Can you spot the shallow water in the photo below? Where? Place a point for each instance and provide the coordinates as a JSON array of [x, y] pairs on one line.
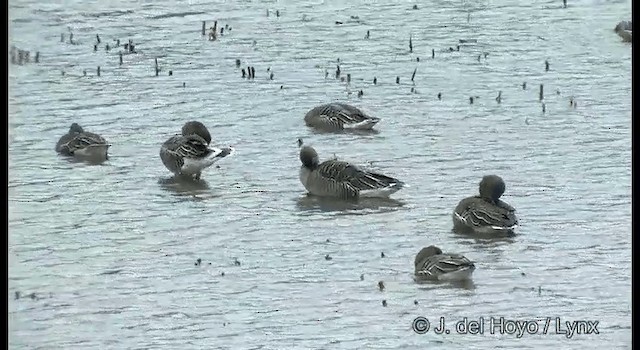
[[110, 250]]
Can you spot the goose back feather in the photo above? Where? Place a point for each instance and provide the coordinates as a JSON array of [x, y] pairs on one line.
[[335, 178], [339, 116], [432, 264]]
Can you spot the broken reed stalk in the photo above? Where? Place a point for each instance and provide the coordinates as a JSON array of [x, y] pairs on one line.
[[157, 70], [204, 28], [410, 44], [541, 94], [414, 74]]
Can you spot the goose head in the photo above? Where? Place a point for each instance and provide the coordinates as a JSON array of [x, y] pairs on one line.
[[196, 128], [75, 129], [492, 187]]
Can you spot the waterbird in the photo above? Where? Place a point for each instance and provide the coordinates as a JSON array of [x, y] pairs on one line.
[[432, 264], [190, 153], [338, 116], [623, 29], [486, 213], [82, 144], [341, 179]]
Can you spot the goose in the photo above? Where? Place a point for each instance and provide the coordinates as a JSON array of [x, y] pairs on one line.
[[189, 153], [432, 264], [339, 116], [82, 144], [335, 178], [623, 29], [486, 213]]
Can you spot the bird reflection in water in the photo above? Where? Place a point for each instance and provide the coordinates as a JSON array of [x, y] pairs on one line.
[[88, 160], [185, 186], [310, 202], [461, 284], [347, 131], [485, 238]]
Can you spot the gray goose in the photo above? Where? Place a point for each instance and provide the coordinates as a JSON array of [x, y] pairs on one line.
[[82, 144], [432, 264], [189, 154], [623, 29], [340, 179], [338, 116], [486, 213]]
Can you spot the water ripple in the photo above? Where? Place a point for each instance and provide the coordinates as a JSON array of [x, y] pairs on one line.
[[110, 252]]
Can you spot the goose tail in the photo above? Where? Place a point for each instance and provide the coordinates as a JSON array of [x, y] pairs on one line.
[[93, 150], [196, 165], [366, 124], [463, 273], [391, 186]]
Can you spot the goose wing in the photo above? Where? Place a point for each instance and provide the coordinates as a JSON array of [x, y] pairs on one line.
[[442, 264], [336, 114], [344, 113], [73, 142], [192, 146], [354, 177], [90, 138], [63, 143], [354, 113], [477, 212]]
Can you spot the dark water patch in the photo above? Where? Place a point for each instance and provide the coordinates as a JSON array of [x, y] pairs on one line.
[[115, 13], [177, 14]]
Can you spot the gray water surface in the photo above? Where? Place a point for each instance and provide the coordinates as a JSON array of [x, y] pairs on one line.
[[110, 250]]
